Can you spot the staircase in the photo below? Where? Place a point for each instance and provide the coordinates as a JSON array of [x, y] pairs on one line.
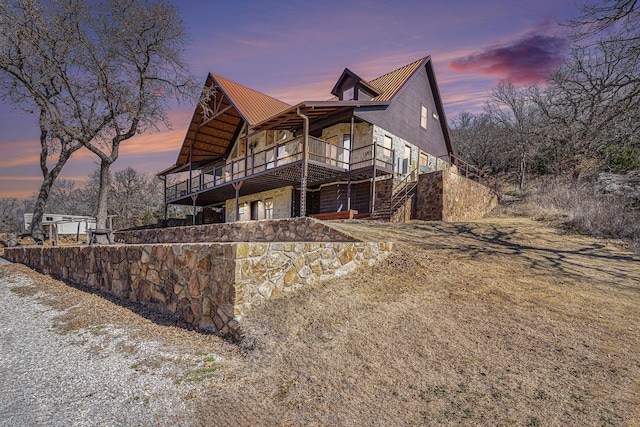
[[404, 191]]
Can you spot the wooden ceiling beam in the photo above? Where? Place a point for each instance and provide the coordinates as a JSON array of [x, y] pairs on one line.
[[221, 112]]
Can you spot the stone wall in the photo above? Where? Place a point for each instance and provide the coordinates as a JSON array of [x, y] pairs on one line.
[[384, 188], [283, 230], [404, 212], [465, 199], [447, 196], [429, 196], [209, 285]]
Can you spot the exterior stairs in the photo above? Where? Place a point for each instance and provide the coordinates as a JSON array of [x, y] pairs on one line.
[[401, 194]]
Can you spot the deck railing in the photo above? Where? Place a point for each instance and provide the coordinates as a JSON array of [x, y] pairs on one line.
[[283, 153], [463, 168]]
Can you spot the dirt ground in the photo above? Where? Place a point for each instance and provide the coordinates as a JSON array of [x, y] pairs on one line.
[[497, 322]]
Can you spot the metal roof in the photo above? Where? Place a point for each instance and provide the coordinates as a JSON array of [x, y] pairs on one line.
[[253, 105], [390, 83], [208, 139], [290, 118], [233, 104]]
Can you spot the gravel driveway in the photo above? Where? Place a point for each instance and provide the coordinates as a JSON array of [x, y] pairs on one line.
[[87, 377]]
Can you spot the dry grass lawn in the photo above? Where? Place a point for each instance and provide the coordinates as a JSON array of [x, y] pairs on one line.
[[497, 322]]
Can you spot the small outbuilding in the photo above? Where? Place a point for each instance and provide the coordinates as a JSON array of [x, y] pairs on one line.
[[59, 224]]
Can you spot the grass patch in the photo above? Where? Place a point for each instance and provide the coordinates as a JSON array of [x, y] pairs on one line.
[[25, 291], [200, 374]]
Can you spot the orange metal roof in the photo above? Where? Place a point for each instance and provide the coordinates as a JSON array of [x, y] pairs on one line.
[[253, 105], [207, 140], [390, 83]]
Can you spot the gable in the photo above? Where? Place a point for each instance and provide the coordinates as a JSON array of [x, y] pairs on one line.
[[231, 108], [410, 88], [350, 86]]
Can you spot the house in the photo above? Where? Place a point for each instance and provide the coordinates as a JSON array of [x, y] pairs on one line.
[[248, 156], [58, 224]]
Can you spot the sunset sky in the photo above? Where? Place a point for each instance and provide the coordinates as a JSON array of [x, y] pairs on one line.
[[295, 50]]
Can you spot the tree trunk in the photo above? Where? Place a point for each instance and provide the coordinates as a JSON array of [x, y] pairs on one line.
[[48, 178], [103, 199], [36, 230], [523, 169]]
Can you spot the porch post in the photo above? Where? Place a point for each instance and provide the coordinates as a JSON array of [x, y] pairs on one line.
[[236, 186], [351, 144], [305, 164], [373, 179], [190, 168], [194, 197], [165, 200], [246, 151]]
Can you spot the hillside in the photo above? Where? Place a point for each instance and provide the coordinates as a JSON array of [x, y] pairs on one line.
[[495, 322]]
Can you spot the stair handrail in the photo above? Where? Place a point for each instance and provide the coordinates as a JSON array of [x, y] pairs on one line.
[[410, 177]]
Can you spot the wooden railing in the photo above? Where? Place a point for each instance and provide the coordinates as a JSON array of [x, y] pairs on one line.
[[463, 168], [283, 153]]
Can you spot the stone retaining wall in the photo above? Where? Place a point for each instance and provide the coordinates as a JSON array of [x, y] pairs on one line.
[[282, 230], [447, 196], [209, 285]]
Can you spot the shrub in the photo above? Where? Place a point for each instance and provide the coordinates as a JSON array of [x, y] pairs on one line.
[[583, 207]]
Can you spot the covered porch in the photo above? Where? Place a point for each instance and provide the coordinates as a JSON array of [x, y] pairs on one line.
[[300, 161]]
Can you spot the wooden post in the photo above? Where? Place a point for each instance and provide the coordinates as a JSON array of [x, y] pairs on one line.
[[351, 144], [373, 179], [190, 168], [236, 186], [305, 164], [165, 201], [246, 151], [194, 197]]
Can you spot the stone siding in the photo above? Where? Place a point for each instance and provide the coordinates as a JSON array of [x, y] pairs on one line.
[[283, 230], [209, 285], [280, 197], [447, 196]]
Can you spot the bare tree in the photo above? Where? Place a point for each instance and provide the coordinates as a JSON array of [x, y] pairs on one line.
[[592, 102], [11, 211], [121, 62], [136, 198], [34, 46], [480, 141], [511, 108]]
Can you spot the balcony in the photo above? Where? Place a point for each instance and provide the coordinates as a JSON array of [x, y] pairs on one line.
[[284, 159]]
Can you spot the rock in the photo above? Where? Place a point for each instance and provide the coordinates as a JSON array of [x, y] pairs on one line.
[[627, 185]]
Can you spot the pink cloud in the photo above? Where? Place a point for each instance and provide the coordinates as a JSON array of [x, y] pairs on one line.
[[526, 60]]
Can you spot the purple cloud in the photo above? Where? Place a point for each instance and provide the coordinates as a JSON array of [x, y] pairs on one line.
[[526, 60]]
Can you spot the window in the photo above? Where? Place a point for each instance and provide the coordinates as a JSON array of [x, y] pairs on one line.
[[387, 143], [424, 162], [347, 95], [436, 116], [239, 149], [423, 117], [268, 208], [407, 160], [343, 156], [241, 212]]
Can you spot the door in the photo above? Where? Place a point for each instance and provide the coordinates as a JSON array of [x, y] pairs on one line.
[[255, 210]]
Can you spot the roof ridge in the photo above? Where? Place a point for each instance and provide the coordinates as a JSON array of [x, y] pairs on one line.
[[253, 105], [399, 68], [218, 76], [391, 83]]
